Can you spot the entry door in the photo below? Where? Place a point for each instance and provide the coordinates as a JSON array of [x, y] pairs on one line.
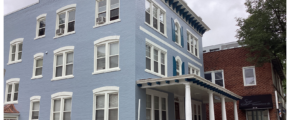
[[196, 110]]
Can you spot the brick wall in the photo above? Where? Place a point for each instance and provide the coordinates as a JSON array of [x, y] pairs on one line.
[[232, 61]]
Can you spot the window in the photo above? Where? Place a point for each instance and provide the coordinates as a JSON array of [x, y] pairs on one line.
[[249, 76], [106, 54], [155, 59], [177, 33], [102, 7], [179, 66], [155, 16], [193, 69], [37, 66], [258, 115], [15, 53], [34, 107], [63, 63], [179, 107], [156, 105], [216, 77], [66, 20], [213, 50], [12, 86], [192, 44], [40, 26], [61, 105], [106, 103]]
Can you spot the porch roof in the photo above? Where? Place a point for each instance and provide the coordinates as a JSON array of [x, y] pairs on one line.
[[193, 79]]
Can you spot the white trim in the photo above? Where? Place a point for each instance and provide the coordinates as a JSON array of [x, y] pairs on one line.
[[156, 93], [253, 73], [164, 34], [15, 42], [160, 95], [66, 7], [189, 38], [39, 37], [18, 40], [106, 71], [61, 94], [167, 44], [191, 33], [38, 19], [62, 49], [38, 55], [13, 80], [276, 100], [16, 61], [35, 98], [156, 45], [110, 22], [154, 73], [41, 16], [178, 59], [105, 39], [65, 34], [194, 67], [158, 5], [62, 77], [179, 32], [32, 100], [106, 88]]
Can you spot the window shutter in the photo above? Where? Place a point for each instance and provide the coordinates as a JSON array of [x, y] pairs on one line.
[[183, 69], [174, 66], [181, 34], [173, 30]]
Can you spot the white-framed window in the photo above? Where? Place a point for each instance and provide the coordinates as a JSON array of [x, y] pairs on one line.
[[155, 16], [192, 44], [109, 9], [12, 86], [216, 77], [61, 106], [106, 103], [193, 69], [40, 26], [156, 105], [65, 20], [37, 66], [106, 55], [177, 33], [179, 107], [34, 107], [63, 63], [249, 76], [156, 59], [257, 115], [15, 53], [178, 66]]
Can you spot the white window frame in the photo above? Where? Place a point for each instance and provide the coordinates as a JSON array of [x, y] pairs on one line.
[[106, 41], [38, 19], [213, 76], [108, 9], [181, 106], [63, 51], [191, 66], [161, 95], [105, 91], [37, 56], [255, 79], [65, 10], [12, 43], [190, 37], [178, 59], [32, 100], [12, 82], [160, 50], [61, 96], [159, 10], [179, 34]]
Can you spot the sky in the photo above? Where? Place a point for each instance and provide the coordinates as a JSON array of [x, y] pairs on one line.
[[219, 15]]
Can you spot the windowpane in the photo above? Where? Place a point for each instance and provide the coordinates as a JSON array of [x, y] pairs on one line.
[[114, 4], [162, 27], [265, 115], [113, 114], [102, 5], [66, 116], [13, 48], [148, 52], [19, 55], [99, 114], [113, 100], [219, 82], [161, 17], [114, 14], [147, 17], [69, 69], [67, 105], [56, 107], [148, 114], [59, 60], [177, 65], [13, 57], [155, 23], [100, 101], [69, 58], [147, 6], [156, 102], [154, 11], [9, 97], [189, 70], [35, 106], [9, 88], [34, 114], [71, 26], [20, 47], [16, 87], [163, 69], [218, 75], [114, 48], [41, 32], [15, 97], [148, 101], [114, 61], [101, 64], [148, 63], [156, 114], [103, 14], [155, 66], [71, 15], [41, 23], [163, 100], [249, 73], [164, 115], [208, 76], [55, 116], [58, 71], [101, 52], [162, 58], [39, 62], [155, 55], [62, 18]]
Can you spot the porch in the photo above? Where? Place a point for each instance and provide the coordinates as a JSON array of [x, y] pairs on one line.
[[190, 91]]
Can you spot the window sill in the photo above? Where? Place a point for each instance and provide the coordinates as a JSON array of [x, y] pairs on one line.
[[249, 85], [73, 32], [111, 22], [36, 77], [62, 77], [13, 62], [154, 73], [12, 102], [178, 44], [106, 71], [193, 54], [157, 30], [38, 37]]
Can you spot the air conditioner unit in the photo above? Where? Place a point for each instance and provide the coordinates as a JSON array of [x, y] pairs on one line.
[[60, 31], [101, 20]]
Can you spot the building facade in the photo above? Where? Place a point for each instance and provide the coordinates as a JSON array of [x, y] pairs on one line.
[[261, 87]]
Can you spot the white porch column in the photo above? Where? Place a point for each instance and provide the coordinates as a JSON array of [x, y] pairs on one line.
[[188, 113], [236, 110], [211, 106], [224, 112]]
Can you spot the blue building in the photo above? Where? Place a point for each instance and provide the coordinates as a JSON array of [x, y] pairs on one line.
[[107, 60]]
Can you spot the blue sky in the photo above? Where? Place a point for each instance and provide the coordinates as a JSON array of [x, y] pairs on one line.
[[219, 15]]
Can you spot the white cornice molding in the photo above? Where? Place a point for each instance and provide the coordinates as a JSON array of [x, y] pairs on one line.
[[63, 49], [61, 94], [41, 16], [66, 7], [116, 37], [38, 55], [35, 98], [13, 80], [18, 40], [106, 88]]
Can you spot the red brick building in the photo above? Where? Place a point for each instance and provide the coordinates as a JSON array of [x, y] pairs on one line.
[[229, 68]]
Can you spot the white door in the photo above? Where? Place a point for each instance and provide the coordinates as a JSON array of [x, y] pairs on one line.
[[196, 110]]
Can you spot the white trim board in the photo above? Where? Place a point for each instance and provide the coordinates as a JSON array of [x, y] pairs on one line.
[[167, 44]]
